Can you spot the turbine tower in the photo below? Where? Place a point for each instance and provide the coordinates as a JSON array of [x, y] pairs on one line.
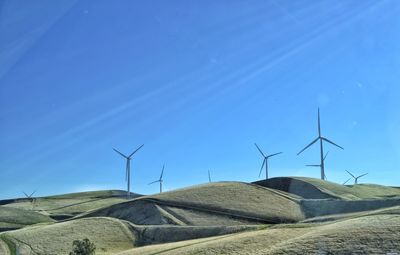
[[265, 161], [319, 165], [160, 180], [321, 139], [355, 177], [128, 168], [209, 176]]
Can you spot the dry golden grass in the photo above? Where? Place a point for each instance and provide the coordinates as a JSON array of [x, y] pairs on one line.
[[352, 192], [70, 204], [13, 218], [341, 216], [109, 235], [155, 234], [377, 234], [208, 214], [138, 211], [202, 218], [224, 201], [94, 194], [311, 188], [241, 243]]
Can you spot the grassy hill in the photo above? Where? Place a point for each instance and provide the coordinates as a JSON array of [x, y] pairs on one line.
[[311, 188], [14, 218], [297, 216], [109, 235], [69, 205], [378, 234], [221, 203], [335, 217]]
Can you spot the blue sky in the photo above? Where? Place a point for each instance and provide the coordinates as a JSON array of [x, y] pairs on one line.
[[197, 82]]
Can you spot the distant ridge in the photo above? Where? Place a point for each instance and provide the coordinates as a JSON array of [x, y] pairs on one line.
[[311, 188]]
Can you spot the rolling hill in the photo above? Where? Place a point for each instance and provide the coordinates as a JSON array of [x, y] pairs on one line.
[[285, 215], [15, 218], [378, 234], [109, 235], [222, 203], [68, 205]]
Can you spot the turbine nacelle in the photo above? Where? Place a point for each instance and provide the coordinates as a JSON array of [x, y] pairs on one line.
[[355, 177], [265, 161], [159, 180], [128, 167], [30, 198], [319, 165]]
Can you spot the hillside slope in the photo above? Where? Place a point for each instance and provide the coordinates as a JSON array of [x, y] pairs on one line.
[[14, 218], [68, 205], [220, 203], [109, 235], [378, 234]]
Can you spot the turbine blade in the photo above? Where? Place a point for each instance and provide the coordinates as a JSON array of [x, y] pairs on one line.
[[326, 155], [153, 182], [136, 150], [32, 193], [25, 194], [308, 145], [162, 172], [262, 166], [362, 175], [314, 165], [350, 174], [329, 141], [274, 154], [209, 176], [262, 153], [346, 181], [120, 153]]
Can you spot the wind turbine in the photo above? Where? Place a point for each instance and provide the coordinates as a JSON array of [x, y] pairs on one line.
[[356, 177], [319, 165], [321, 139], [160, 180], [265, 161], [209, 176], [32, 200], [128, 168]]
